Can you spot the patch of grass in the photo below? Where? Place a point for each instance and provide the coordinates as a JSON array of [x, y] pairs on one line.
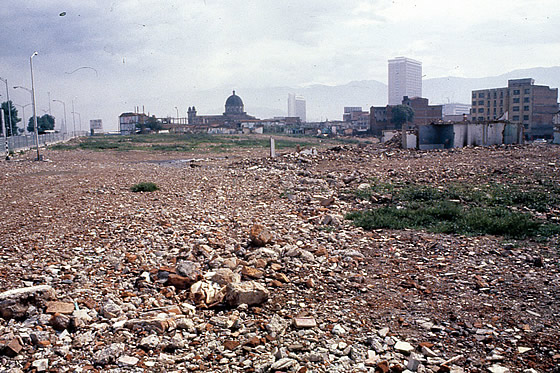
[[178, 143], [471, 210], [144, 187]]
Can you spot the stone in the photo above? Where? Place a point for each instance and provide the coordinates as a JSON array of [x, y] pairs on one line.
[[304, 322], [14, 303], [231, 345], [41, 365], [498, 369], [277, 325], [110, 309], [284, 364], [108, 354], [413, 364], [59, 321], [252, 272], [207, 293], [338, 330], [190, 270], [522, 350], [224, 276], [178, 281], [60, 307], [248, 292], [13, 348], [404, 347], [259, 235], [127, 360], [149, 343]]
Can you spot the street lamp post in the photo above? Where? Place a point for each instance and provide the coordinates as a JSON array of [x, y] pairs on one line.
[[34, 105], [79, 119], [65, 123], [73, 118], [9, 107], [177, 114], [23, 113]]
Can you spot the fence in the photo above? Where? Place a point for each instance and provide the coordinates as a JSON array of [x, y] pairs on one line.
[[16, 143]]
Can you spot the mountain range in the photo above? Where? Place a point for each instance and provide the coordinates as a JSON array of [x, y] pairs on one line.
[[328, 102]]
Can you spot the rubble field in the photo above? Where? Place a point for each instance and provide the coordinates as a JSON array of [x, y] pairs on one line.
[[243, 263]]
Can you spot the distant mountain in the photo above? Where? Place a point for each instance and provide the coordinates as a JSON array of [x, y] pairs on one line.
[[328, 102]]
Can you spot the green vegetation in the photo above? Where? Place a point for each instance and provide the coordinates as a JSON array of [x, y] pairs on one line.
[[496, 209], [144, 187], [180, 143]]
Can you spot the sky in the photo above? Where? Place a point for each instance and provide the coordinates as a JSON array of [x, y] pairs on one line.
[[107, 57]]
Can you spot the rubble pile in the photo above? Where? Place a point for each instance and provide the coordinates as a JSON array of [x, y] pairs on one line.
[[247, 264]]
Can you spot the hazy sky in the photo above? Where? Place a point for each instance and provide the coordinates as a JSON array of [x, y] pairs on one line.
[[156, 53]]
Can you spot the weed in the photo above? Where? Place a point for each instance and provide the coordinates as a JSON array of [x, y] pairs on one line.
[[144, 187]]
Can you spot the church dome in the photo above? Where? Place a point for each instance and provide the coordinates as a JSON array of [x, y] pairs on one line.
[[234, 100], [234, 104]]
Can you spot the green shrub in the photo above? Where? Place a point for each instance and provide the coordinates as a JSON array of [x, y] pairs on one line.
[[144, 187]]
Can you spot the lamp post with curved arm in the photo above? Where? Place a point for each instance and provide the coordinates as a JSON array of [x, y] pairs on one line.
[[34, 105], [64, 106], [9, 107]]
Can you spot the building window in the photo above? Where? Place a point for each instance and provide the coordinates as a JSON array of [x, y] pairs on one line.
[[481, 110], [516, 100], [516, 108], [481, 95], [494, 102], [474, 102], [495, 94], [526, 108], [516, 117], [525, 99], [516, 91], [527, 91], [525, 117], [481, 102], [474, 95], [481, 118], [501, 102], [494, 110], [501, 94]]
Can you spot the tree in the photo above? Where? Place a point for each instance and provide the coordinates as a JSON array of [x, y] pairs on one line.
[[13, 129], [44, 123], [402, 114], [150, 124]]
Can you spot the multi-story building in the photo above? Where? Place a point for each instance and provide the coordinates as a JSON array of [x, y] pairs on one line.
[[381, 118], [129, 123], [520, 102], [296, 107], [405, 79]]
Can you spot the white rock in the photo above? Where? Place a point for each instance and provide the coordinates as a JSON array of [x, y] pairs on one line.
[[404, 347]]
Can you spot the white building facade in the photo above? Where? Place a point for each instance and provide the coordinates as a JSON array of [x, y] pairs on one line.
[[296, 106], [405, 79]]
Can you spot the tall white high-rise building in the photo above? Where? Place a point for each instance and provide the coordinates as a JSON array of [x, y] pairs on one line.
[[405, 79], [296, 106]]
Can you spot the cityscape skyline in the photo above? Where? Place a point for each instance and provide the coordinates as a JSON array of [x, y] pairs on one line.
[[110, 57]]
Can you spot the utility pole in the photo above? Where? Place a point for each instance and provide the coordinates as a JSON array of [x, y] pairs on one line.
[[34, 105], [9, 105]]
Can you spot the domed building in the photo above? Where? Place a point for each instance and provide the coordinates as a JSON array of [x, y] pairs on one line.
[[234, 105], [233, 116]]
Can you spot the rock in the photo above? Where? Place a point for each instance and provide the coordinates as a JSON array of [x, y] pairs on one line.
[[108, 354], [149, 343], [207, 294], [338, 330], [190, 270], [110, 309], [248, 292], [413, 364], [252, 272], [404, 347], [284, 364], [127, 360], [14, 303], [13, 348], [60, 307], [41, 365], [59, 321], [277, 325], [498, 369], [304, 322], [259, 235], [224, 276], [231, 345], [80, 318]]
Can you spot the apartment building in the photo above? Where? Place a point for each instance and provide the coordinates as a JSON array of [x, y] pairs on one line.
[[520, 102]]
